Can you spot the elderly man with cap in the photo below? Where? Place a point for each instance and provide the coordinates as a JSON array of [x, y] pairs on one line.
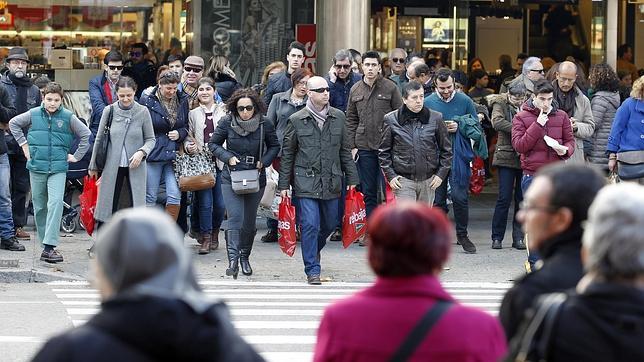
[[192, 71], [24, 95]]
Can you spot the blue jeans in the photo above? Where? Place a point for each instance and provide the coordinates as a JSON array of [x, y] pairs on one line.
[[6, 217], [156, 171], [210, 207], [459, 195], [509, 183], [317, 221], [526, 181], [370, 176]]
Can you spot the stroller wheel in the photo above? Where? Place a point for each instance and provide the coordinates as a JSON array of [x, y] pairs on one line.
[[68, 224]]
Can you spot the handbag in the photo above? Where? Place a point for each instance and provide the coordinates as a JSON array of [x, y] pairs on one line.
[[417, 335], [194, 172], [247, 181], [101, 147], [630, 165]]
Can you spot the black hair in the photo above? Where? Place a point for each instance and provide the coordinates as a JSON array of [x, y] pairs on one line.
[[113, 56], [543, 86], [169, 78], [505, 62], [296, 45], [144, 48], [409, 87], [42, 81], [421, 69], [478, 74], [231, 103], [586, 181], [523, 56], [432, 62], [125, 82], [174, 58], [355, 54], [410, 56], [603, 78], [373, 55], [206, 80], [623, 49], [443, 75], [517, 89]]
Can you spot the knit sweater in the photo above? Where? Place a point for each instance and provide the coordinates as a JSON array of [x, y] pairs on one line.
[[460, 105]]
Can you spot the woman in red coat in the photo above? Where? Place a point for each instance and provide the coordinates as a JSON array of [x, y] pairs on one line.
[[409, 244]]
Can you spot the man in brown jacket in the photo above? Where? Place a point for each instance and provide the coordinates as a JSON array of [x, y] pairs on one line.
[[369, 101]]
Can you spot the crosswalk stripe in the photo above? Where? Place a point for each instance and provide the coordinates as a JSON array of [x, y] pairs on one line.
[[276, 317]]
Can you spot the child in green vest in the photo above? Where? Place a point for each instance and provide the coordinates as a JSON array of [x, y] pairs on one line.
[[51, 129]]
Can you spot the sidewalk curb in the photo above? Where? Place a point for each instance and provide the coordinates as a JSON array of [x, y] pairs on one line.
[[35, 276]]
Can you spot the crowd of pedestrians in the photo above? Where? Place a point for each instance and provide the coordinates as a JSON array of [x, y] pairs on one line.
[[551, 140]]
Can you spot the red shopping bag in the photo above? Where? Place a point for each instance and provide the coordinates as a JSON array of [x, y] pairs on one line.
[[88, 203], [286, 227], [390, 198], [354, 220], [477, 181]]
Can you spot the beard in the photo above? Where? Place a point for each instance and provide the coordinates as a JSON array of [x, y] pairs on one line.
[[18, 73]]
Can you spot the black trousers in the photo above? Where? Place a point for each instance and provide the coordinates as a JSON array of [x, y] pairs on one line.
[[19, 186], [120, 202]]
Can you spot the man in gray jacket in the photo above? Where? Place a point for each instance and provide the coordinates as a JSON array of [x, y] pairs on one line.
[[416, 150], [315, 153]]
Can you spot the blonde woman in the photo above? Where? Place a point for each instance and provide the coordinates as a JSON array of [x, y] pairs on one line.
[[270, 70]]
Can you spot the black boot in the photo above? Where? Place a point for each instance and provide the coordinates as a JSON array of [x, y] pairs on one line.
[[247, 238], [232, 248]]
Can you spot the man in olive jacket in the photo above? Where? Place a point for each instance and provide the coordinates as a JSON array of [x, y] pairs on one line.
[[315, 153]]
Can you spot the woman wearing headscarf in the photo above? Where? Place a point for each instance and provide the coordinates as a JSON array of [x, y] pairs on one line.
[[152, 306], [409, 244]]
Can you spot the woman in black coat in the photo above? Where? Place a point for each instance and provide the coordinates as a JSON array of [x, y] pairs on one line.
[[251, 143], [224, 77], [152, 306]]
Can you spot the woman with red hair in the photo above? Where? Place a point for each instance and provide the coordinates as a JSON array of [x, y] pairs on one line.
[[409, 244]]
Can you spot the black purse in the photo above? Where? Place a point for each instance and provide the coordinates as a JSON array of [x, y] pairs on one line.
[[101, 147], [630, 165]]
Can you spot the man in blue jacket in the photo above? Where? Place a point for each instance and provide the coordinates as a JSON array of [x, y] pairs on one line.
[[453, 104], [281, 82], [341, 79], [102, 88]]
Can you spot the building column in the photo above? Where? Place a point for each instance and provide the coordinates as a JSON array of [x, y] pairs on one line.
[[340, 24], [612, 22]]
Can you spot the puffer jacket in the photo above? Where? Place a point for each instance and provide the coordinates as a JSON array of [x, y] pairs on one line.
[[604, 105], [164, 148], [502, 113], [527, 137], [415, 147]]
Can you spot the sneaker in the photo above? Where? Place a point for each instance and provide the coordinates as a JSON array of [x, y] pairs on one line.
[[337, 235], [313, 279], [11, 244], [195, 235], [270, 236], [467, 244], [22, 234], [519, 244], [51, 256], [496, 244]]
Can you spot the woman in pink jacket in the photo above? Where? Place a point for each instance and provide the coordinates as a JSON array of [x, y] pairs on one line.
[[409, 244]]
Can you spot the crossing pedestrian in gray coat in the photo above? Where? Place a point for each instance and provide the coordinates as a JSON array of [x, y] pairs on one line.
[[604, 104], [131, 140]]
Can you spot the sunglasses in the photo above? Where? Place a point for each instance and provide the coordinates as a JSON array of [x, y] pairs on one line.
[[115, 67], [136, 54], [193, 70], [342, 66], [538, 71], [320, 90], [245, 108], [398, 60]]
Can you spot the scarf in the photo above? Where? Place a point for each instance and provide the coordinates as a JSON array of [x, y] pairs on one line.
[[171, 107], [22, 86], [191, 91], [319, 116], [244, 128], [565, 101]]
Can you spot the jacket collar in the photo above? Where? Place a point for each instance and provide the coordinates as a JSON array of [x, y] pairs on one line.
[[569, 239], [405, 115], [420, 285]]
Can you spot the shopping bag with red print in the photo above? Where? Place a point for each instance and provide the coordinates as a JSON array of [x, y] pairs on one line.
[[88, 203], [477, 180], [354, 220], [286, 227]]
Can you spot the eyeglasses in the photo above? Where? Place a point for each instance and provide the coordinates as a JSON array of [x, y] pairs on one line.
[[136, 54], [398, 60], [342, 66], [538, 71], [302, 83], [191, 69], [527, 207], [115, 67], [245, 108], [320, 90]]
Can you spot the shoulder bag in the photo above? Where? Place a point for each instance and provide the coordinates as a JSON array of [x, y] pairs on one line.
[[194, 172], [420, 331], [247, 181], [101, 147], [630, 165]]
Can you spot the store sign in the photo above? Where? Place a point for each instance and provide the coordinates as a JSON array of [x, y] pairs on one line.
[[306, 34], [97, 17]]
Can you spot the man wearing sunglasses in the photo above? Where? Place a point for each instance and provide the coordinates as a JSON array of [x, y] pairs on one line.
[[531, 72], [316, 153], [139, 68], [397, 61], [341, 79], [192, 72], [102, 91], [409, 73]]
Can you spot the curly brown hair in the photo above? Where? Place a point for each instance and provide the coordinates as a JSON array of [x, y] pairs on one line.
[[603, 78], [231, 103]]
